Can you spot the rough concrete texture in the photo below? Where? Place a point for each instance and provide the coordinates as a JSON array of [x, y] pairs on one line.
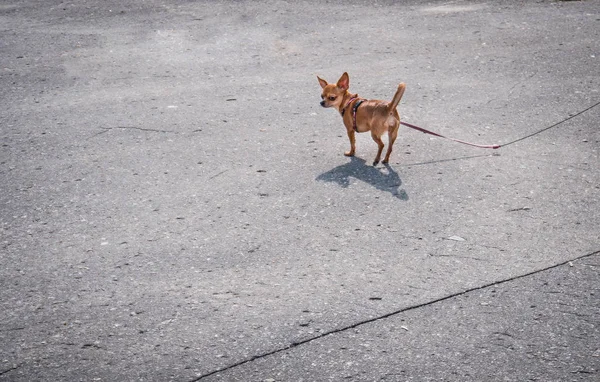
[[175, 204]]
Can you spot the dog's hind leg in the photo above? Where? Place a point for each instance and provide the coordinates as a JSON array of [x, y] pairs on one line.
[[392, 135], [380, 145]]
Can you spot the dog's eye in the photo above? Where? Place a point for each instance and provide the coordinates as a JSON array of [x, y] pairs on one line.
[[332, 98], [322, 96]]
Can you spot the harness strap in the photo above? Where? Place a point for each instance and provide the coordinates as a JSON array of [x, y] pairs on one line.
[[348, 103], [356, 105]]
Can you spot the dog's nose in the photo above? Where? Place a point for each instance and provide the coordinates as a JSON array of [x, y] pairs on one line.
[[323, 103]]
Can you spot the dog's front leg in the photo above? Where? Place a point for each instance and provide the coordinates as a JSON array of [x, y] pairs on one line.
[[352, 143]]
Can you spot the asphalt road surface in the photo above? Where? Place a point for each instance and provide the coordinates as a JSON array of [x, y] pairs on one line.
[[176, 206]]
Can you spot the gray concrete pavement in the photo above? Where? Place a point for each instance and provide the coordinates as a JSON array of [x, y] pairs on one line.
[[175, 204], [541, 327]]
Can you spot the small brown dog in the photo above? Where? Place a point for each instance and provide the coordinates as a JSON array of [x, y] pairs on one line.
[[373, 115]]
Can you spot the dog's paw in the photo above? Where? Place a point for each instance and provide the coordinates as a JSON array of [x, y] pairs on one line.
[[375, 163], [349, 153]]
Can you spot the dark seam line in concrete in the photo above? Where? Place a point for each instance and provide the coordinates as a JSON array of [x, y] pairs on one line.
[[222, 172], [388, 315], [9, 370], [143, 129], [549, 127], [107, 129]]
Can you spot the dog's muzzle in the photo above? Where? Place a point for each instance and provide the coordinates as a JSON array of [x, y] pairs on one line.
[[323, 103]]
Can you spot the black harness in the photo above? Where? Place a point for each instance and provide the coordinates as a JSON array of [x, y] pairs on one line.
[[356, 105], [354, 108]]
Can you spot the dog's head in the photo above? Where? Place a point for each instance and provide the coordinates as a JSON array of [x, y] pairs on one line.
[[333, 94]]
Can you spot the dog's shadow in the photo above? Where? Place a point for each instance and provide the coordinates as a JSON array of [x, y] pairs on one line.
[[382, 179]]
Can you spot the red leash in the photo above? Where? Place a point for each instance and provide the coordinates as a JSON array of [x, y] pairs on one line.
[[452, 139], [506, 144]]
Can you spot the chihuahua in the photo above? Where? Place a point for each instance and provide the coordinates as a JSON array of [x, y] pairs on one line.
[[375, 116]]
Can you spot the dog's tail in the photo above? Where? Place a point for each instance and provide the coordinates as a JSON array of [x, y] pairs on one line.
[[397, 97]]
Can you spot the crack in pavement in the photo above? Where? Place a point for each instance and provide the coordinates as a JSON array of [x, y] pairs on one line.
[[141, 129], [2, 372], [391, 314], [107, 129]]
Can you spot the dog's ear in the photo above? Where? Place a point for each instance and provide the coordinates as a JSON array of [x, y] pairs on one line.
[[322, 82], [344, 82]]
